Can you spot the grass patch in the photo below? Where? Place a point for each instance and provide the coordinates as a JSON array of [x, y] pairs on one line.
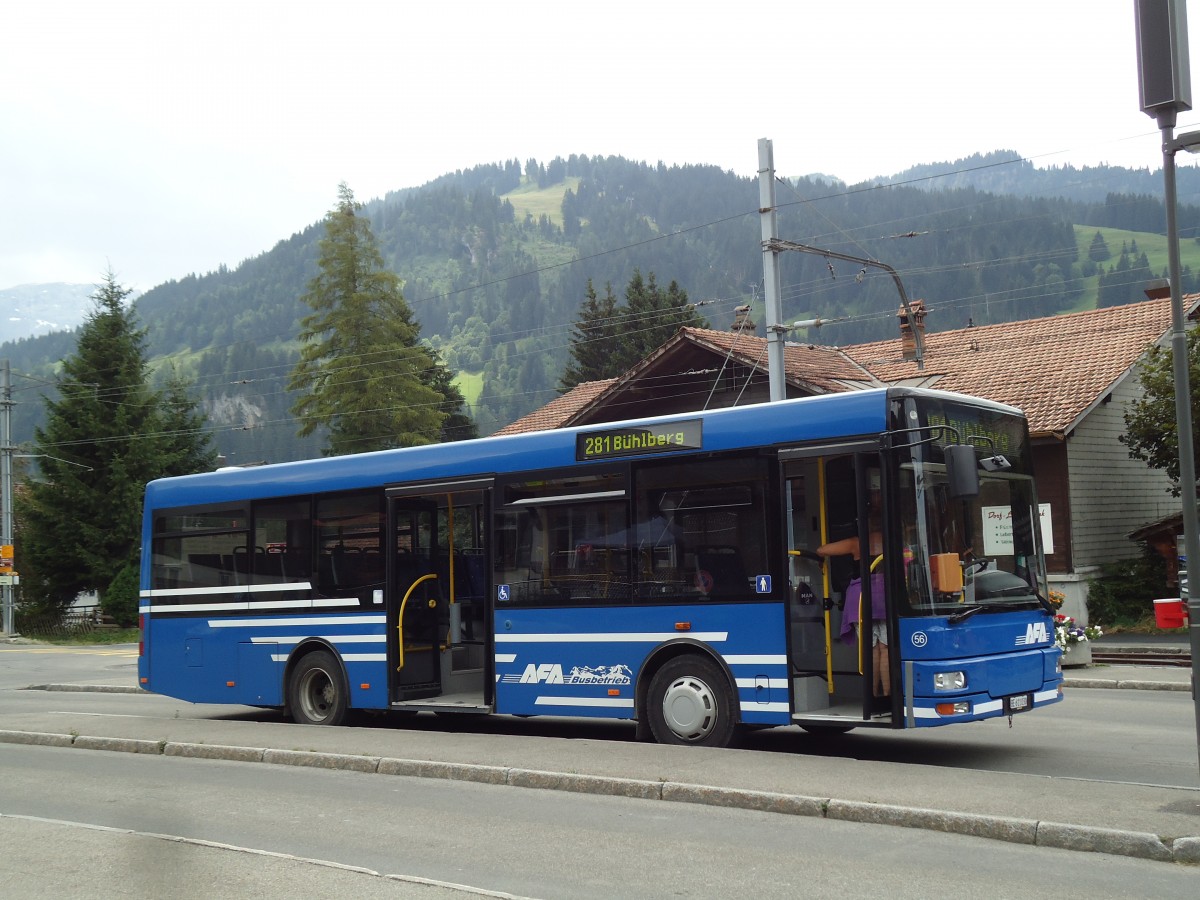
[[538, 202], [99, 636], [1153, 245], [1145, 625], [471, 385]]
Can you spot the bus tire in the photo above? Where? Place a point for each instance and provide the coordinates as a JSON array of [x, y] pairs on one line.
[[689, 703], [317, 693]]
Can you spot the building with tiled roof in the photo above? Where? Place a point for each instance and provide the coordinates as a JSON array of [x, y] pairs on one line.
[[1072, 374]]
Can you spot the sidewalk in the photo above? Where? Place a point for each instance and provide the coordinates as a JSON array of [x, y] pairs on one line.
[[1131, 673]]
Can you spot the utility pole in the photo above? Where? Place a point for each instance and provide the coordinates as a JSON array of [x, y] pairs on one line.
[[771, 287], [772, 246], [6, 495]]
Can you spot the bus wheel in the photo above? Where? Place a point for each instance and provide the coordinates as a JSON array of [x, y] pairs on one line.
[[689, 703], [317, 692]]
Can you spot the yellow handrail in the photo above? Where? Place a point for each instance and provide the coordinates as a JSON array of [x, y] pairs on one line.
[[400, 618], [825, 585]]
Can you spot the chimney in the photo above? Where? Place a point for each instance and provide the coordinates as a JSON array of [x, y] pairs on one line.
[[908, 341], [741, 319]]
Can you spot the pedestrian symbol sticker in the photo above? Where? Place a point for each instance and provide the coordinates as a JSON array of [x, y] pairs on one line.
[[762, 584]]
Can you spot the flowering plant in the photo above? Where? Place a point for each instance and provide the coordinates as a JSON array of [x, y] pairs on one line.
[[1057, 598], [1066, 632]]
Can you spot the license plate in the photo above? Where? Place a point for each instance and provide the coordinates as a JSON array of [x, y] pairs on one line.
[[1018, 702]]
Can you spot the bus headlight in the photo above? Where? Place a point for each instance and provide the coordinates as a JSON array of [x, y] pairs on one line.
[[949, 681]]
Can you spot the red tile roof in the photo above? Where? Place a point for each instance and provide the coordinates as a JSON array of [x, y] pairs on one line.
[[1053, 368], [556, 413]]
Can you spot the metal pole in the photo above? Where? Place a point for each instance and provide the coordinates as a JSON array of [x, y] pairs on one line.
[[779, 244], [771, 289], [6, 486], [1183, 408]]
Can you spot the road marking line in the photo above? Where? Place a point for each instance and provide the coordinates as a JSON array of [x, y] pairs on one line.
[[271, 854]]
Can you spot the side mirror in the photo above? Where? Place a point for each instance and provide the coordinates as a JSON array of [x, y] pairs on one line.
[[962, 470]]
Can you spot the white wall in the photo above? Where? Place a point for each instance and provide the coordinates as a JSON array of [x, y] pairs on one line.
[[1111, 494]]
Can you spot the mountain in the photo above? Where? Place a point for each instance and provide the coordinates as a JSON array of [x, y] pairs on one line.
[[32, 310], [496, 261], [1005, 172]]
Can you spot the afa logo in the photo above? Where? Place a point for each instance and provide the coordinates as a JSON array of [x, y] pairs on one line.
[[1035, 633], [552, 673], [546, 673]]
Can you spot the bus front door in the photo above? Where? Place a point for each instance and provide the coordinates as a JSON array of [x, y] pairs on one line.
[[831, 652]]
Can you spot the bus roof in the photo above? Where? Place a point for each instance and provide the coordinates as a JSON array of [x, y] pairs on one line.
[[824, 417]]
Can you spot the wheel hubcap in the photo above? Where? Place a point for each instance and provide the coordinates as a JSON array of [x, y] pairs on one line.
[[689, 708]]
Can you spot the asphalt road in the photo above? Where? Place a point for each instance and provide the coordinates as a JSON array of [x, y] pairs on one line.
[[200, 828]]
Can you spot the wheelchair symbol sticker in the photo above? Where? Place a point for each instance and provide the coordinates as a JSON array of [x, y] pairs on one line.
[[502, 593]]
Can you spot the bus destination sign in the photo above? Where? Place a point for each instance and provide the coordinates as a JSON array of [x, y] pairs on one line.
[[670, 437]]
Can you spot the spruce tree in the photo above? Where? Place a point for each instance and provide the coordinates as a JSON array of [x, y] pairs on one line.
[[106, 434], [184, 443], [363, 376], [651, 317], [595, 339]]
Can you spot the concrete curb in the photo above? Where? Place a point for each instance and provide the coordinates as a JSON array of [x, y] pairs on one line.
[[1061, 836], [88, 688], [1131, 684]]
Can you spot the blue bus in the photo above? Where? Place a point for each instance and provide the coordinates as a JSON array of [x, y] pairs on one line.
[[865, 559]]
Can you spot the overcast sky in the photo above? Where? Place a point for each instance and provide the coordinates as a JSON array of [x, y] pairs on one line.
[[172, 136]]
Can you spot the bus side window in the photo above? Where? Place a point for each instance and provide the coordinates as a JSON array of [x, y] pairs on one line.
[[349, 535], [564, 541], [701, 529]]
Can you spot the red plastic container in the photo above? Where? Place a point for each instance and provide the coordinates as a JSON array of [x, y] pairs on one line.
[[1170, 613]]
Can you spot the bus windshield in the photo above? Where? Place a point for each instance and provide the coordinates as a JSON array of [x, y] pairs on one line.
[[976, 553]]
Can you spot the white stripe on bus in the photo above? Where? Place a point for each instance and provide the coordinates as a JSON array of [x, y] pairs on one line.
[[292, 622], [332, 638], [250, 605], [614, 638], [756, 660], [228, 589], [615, 702], [348, 657]]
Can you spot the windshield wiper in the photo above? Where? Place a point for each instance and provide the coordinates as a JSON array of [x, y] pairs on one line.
[[963, 615]]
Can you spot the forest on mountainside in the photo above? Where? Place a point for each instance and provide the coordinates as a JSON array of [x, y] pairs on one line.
[[496, 260]]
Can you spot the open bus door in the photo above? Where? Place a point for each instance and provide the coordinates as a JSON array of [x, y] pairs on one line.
[[836, 607], [437, 596]]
